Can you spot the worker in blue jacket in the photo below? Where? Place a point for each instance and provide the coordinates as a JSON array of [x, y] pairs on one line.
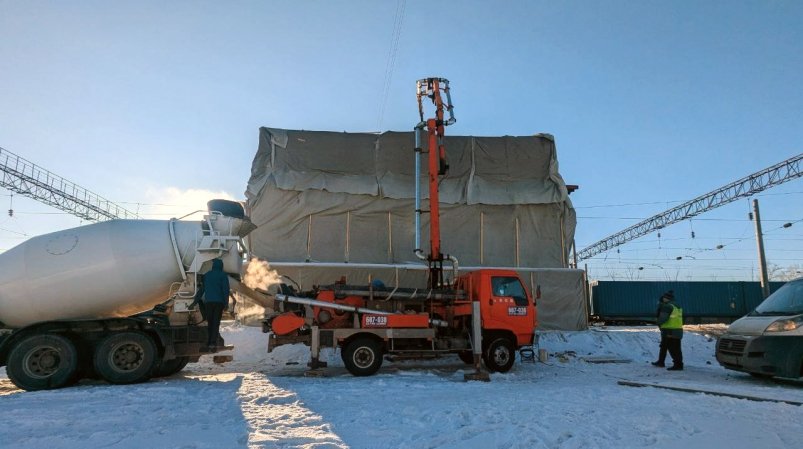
[[670, 321], [216, 299]]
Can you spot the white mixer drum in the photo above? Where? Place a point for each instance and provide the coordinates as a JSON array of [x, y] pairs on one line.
[[110, 269]]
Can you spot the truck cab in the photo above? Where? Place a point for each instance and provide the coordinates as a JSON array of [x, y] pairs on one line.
[[768, 341], [507, 306]]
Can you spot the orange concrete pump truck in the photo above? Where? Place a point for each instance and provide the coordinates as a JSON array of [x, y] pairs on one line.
[[484, 315]]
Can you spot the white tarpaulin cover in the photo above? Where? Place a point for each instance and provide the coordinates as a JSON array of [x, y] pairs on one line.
[[349, 197]]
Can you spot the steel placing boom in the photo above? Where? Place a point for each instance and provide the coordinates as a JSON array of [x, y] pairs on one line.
[[431, 88]]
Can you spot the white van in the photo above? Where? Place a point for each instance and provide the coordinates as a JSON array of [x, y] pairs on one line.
[[768, 341]]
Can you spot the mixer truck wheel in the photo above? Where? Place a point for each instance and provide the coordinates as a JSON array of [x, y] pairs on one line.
[[363, 356], [169, 367], [42, 362], [500, 355], [125, 358], [467, 357]]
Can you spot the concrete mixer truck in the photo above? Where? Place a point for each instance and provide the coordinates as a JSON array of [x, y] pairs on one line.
[[112, 299]]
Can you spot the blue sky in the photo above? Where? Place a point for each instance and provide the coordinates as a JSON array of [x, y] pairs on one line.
[[651, 103]]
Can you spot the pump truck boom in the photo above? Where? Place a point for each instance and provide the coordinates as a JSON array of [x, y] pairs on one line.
[[486, 314]]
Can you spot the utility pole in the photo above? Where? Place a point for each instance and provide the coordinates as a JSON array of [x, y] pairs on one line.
[[762, 260]]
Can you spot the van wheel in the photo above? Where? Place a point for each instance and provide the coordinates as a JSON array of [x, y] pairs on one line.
[[125, 358], [363, 356], [500, 355], [43, 362]]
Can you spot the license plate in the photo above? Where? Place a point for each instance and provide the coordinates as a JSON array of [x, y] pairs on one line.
[[517, 311]]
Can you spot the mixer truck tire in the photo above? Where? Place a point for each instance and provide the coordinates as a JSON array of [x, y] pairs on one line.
[[500, 355], [363, 356], [125, 358], [170, 367], [42, 362], [467, 357]]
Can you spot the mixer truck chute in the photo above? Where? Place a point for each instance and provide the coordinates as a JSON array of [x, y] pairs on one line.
[[112, 299]]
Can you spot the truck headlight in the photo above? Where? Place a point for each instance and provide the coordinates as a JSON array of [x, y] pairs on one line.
[[785, 325]]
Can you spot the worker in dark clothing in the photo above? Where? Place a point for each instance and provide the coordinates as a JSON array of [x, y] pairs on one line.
[[198, 299], [670, 320], [216, 299]]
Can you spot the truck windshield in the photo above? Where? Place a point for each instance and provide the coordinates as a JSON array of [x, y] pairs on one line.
[[787, 300], [509, 286]]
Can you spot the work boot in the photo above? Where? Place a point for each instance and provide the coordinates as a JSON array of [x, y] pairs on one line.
[[676, 367], [659, 364]]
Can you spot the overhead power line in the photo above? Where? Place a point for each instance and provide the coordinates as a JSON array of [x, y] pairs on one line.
[[769, 177], [28, 179], [390, 66]]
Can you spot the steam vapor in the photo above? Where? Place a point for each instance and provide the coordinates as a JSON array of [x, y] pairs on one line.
[[258, 276]]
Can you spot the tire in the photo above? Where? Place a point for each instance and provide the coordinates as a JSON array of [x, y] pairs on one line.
[[363, 356], [125, 358], [500, 355], [43, 362], [170, 367], [467, 357]]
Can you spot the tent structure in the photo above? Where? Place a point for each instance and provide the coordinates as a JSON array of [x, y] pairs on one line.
[[331, 204]]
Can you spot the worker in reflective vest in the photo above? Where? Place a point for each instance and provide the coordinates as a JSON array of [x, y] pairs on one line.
[[670, 320]]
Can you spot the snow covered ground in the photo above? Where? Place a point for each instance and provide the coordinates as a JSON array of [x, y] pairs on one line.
[[263, 401]]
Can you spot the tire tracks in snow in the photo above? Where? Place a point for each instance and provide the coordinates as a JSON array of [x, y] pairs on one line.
[[278, 418]]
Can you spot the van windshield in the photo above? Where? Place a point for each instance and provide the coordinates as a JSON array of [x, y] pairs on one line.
[[787, 300]]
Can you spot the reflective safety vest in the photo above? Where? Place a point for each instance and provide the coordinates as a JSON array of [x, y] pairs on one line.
[[675, 320]]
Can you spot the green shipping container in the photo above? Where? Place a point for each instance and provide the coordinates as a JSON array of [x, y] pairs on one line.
[[701, 301]]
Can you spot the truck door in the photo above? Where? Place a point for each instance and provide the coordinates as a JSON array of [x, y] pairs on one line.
[[510, 307]]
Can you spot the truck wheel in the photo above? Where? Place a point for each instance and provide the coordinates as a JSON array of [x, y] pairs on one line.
[[170, 367], [363, 356], [125, 358], [467, 357], [42, 362], [500, 355]]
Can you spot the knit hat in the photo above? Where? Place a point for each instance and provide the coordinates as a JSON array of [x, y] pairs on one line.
[[669, 296]]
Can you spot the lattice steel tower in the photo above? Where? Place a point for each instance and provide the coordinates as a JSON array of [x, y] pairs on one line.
[[26, 178], [779, 173]]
